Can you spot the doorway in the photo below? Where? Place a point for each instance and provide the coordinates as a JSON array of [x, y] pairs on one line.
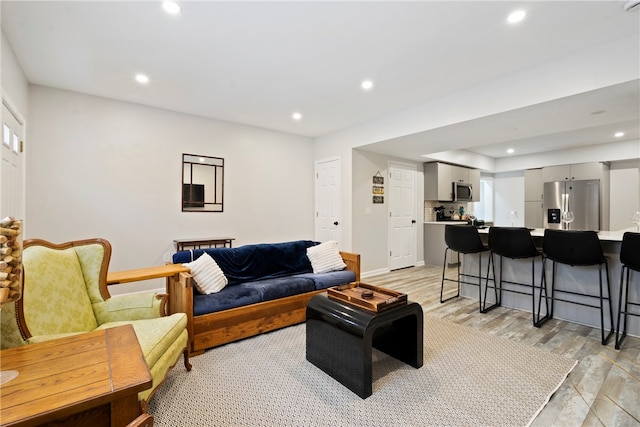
[[328, 200], [402, 216]]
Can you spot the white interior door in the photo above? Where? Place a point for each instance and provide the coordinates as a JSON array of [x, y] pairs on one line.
[[328, 193], [402, 216], [12, 198]]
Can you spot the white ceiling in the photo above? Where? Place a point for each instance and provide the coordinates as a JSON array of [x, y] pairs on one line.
[[257, 62], [589, 118]]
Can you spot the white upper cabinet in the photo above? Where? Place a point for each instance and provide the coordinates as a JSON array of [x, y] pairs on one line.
[[459, 174], [574, 172], [586, 171], [556, 173], [474, 180], [439, 179]]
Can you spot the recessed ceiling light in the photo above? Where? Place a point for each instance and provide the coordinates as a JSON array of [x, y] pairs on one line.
[[510, 150], [296, 116], [142, 78], [367, 85], [171, 7], [516, 16], [618, 134]]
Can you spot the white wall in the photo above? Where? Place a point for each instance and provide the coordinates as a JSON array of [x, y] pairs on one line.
[[104, 168], [370, 222], [15, 93], [15, 87], [624, 194], [508, 196]]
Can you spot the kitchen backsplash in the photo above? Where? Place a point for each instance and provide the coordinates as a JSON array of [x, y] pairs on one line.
[[430, 214]]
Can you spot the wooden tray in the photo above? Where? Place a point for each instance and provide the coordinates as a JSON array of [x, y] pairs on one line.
[[382, 298]]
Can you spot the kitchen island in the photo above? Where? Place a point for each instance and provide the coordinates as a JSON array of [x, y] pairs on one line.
[[580, 279]]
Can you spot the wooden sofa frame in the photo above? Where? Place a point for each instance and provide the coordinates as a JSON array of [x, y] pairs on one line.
[[214, 329]]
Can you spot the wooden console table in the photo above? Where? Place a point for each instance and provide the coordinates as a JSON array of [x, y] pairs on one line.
[[208, 242], [90, 379]]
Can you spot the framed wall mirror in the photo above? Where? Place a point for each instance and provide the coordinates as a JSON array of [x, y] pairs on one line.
[[202, 183]]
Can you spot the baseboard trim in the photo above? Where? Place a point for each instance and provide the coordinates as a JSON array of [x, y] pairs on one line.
[[374, 272], [385, 270]]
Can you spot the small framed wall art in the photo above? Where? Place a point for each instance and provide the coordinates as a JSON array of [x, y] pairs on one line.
[[378, 179], [378, 188]]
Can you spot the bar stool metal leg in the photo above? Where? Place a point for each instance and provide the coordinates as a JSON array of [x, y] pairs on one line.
[[621, 330], [543, 287], [630, 259], [538, 321], [444, 269], [605, 340], [497, 287]]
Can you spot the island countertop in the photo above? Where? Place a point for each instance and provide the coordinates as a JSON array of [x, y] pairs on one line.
[[604, 235]]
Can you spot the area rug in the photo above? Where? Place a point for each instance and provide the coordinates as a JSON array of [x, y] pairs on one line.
[[469, 378]]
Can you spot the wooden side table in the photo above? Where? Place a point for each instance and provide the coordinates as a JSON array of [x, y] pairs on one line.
[[207, 242], [90, 379]]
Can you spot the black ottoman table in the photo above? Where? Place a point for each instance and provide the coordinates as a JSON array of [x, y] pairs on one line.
[[340, 337]]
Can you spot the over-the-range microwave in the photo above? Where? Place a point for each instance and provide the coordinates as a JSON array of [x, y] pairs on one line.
[[462, 192]]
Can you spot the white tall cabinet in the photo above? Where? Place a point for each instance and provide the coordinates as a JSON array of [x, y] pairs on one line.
[[533, 194]]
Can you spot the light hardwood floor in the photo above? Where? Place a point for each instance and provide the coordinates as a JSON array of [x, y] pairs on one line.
[[602, 390]]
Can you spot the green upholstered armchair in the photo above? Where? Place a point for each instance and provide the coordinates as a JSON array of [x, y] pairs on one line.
[[65, 292]]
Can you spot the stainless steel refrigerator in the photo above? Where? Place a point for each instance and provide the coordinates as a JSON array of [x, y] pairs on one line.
[[580, 197]]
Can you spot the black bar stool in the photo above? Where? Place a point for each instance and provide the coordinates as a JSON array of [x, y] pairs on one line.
[[577, 248], [464, 239], [516, 243], [630, 259]]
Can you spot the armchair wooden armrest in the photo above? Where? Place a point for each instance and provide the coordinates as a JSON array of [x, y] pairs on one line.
[[353, 262], [137, 275], [180, 292], [169, 271]]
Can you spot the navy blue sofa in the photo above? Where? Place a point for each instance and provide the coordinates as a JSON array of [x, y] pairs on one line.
[[269, 287]]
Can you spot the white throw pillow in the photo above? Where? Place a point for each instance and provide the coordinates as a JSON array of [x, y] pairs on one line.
[[207, 275], [325, 257]]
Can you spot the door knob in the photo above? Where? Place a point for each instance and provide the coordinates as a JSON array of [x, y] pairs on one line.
[[335, 223], [413, 221]]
